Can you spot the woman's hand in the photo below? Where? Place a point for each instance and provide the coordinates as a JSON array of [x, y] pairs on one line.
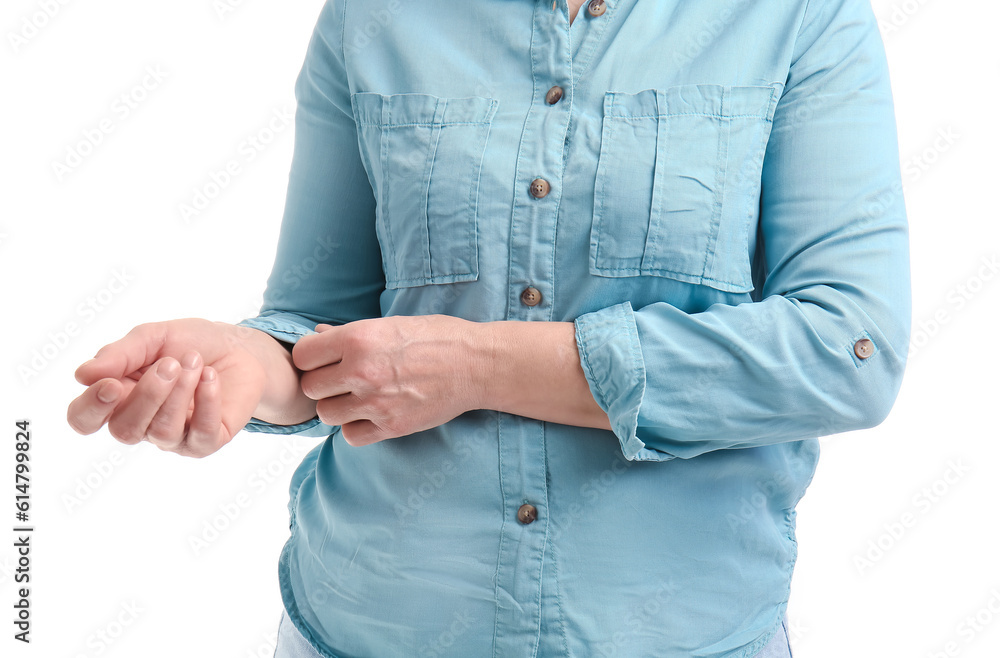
[[187, 386], [382, 378]]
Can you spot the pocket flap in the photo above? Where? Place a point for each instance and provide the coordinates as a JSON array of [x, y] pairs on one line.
[[412, 109], [700, 99]]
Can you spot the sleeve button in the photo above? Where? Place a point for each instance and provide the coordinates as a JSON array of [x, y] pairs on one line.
[[864, 348]]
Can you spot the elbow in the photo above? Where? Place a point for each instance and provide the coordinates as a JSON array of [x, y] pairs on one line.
[[866, 334], [877, 379], [877, 405]]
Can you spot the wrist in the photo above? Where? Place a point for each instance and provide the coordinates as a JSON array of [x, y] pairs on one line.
[[485, 347], [282, 401], [266, 349]]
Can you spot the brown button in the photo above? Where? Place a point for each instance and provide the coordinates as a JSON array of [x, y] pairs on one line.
[[554, 95], [539, 188], [864, 348], [527, 513], [531, 296], [596, 7]]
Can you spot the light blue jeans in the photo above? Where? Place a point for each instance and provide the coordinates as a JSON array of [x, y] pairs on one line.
[[778, 647], [291, 644]]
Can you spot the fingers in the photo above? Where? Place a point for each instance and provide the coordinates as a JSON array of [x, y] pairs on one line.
[[319, 349], [166, 429], [157, 408], [89, 412], [206, 433], [363, 433], [131, 419], [323, 382], [139, 347], [340, 409]]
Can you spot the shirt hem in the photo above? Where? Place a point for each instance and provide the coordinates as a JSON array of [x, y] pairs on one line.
[[288, 601]]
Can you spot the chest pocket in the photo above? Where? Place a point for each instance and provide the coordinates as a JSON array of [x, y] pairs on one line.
[[678, 183], [424, 155]]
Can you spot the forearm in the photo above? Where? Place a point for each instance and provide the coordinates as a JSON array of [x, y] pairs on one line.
[[283, 401], [533, 369]]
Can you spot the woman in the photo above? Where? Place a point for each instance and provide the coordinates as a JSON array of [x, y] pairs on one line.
[[571, 292]]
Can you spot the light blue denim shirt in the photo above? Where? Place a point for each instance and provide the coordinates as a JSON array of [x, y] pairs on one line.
[[724, 224]]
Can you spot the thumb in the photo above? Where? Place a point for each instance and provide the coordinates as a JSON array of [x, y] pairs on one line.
[[137, 349], [323, 327]]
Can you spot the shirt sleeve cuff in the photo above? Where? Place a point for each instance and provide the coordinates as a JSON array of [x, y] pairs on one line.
[[611, 356], [287, 328]]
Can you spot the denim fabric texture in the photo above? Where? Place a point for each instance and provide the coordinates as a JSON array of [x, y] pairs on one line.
[[712, 197]]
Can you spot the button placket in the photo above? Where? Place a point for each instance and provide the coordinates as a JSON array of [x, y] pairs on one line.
[[523, 563]]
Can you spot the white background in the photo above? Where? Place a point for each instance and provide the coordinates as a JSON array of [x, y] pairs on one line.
[[898, 533]]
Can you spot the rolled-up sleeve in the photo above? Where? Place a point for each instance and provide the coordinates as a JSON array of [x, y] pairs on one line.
[[327, 267], [822, 346]]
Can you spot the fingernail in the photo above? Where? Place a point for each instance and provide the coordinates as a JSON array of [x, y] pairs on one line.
[[167, 370], [208, 375], [87, 362], [107, 393], [190, 361]]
